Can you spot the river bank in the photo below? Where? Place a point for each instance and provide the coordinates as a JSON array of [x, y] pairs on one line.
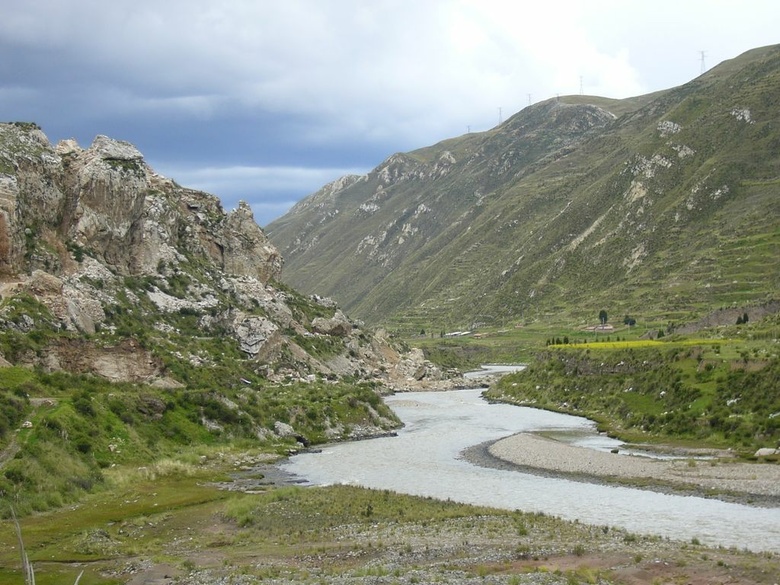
[[746, 483]]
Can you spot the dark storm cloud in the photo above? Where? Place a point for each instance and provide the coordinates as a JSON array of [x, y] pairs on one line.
[[266, 101]]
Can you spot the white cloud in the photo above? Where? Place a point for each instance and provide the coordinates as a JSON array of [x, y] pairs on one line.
[[383, 68]]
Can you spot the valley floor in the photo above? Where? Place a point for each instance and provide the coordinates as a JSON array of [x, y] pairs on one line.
[[343, 535]]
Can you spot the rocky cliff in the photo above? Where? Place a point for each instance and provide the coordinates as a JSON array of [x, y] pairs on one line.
[[109, 268], [106, 201]]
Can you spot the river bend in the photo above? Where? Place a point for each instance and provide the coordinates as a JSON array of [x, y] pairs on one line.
[[425, 459]]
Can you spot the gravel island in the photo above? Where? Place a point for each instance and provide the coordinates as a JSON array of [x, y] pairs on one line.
[[724, 478]]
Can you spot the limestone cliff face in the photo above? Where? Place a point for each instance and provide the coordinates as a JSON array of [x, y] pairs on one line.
[[107, 202], [243, 244]]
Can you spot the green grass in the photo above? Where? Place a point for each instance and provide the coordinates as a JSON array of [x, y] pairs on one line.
[[296, 511], [136, 516], [82, 426], [719, 392], [519, 342]]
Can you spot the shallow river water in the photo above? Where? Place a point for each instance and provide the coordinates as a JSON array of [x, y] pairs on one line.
[[424, 459]]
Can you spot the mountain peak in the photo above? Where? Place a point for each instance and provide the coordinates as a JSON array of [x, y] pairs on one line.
[[107, 201]]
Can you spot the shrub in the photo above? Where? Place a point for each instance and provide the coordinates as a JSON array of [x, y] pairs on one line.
[[82, 402]]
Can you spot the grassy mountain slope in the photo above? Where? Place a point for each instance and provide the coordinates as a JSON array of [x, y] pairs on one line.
[[77, 429], [664, 204]]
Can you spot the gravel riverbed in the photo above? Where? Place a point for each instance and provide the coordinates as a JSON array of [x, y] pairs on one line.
[[750, 483]]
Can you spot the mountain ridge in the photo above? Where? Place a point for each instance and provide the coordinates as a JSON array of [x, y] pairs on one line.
[[559, 206]]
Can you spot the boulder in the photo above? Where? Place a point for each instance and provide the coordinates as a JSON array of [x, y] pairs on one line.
[[337, 325], [282, 429], [253, 333]]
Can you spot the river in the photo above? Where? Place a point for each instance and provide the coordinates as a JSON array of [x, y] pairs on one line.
[[425, 459]]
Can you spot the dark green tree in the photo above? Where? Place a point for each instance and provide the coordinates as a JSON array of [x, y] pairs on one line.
[[603, 317]]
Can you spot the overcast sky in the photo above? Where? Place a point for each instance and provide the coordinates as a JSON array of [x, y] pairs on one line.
[[268, 100]]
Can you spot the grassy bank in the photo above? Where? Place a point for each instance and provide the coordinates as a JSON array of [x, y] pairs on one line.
[[716, 386], [698, 391], [519, 342]]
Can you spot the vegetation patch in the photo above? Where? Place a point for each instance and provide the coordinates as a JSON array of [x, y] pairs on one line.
[[175, 526], [720, 392], [81, 426]]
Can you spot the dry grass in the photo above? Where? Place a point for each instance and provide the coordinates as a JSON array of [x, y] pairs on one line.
[[126, 476]]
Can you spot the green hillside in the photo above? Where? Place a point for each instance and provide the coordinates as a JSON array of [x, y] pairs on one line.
[[660, 205]]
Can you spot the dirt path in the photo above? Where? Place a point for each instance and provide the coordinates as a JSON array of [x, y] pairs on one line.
[[9, 452], [6, 288]]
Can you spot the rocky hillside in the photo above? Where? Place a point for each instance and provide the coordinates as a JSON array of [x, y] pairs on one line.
[[108, 268], [663, 205]]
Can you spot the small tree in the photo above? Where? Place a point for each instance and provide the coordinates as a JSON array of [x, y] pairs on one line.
[[603, 317]]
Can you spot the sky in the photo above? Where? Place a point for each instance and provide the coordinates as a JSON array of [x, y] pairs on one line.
[[269, 100]]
